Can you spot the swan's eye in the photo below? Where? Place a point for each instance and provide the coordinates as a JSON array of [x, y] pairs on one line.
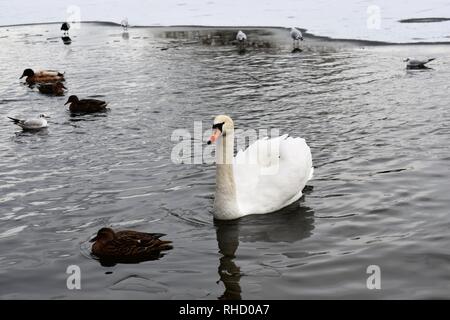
[[218, 126]]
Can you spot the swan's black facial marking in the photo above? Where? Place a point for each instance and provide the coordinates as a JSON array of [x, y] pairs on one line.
[[218, 126]]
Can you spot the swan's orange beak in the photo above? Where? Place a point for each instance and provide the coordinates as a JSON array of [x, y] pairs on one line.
[[216, 134]]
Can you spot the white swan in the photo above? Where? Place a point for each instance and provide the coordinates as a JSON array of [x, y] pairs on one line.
[[269, 175]]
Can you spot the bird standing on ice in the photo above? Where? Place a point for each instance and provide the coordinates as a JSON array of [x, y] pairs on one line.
[[65, 28], [296, 36], [241, 37], [32, 124], [268, 176]]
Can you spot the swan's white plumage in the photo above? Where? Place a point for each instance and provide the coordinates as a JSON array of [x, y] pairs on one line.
[[269, 175]]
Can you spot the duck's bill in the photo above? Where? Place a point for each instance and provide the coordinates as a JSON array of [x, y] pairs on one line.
[[66, 103], [214, 136], [93, 239], [22, 76]]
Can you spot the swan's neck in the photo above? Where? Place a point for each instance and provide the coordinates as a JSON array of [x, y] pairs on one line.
[[225, 204]]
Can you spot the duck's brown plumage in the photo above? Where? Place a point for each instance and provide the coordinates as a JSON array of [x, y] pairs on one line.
[[56, 88], [85, 105], [128, 245], [42, 76]]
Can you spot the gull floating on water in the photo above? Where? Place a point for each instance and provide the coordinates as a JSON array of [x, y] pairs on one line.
[[417, 64], [32, 124], [296, 35]]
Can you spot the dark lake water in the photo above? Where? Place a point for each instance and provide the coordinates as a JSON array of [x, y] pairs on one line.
[[378, 135]]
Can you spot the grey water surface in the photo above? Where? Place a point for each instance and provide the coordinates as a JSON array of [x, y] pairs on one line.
[[379, 136]]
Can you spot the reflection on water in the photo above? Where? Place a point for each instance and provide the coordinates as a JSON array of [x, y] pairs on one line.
[[258, 38], [378, 135], [292, 224], [229, 272], [66, 40]]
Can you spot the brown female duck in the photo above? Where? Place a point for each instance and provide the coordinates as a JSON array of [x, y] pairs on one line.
[[85, 105], [42, 76], [56, 89], [128, 246]]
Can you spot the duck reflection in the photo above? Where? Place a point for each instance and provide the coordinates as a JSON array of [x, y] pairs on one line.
[[66, 40], [291, 224], [125, 35]]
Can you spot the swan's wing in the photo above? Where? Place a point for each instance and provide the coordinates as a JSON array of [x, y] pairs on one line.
[[271, 174]]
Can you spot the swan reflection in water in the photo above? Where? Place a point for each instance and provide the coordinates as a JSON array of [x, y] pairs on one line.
[[291, 224]]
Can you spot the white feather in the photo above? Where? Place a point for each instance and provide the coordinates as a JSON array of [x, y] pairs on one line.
[[271, 174]]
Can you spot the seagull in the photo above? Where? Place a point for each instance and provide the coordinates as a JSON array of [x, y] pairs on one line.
[[124, 24], [417, 64], [32, 124], [241, 37], [296, 35], [65, 27]]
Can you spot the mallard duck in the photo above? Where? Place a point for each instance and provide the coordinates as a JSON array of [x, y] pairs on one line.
[[85, 105], [128, 246], [56, 89], [32, 124], [42, 76]]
